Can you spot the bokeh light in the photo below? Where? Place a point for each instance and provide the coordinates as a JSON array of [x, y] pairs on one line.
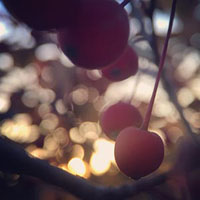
[[20, 129], [102, 157], [78, 167]]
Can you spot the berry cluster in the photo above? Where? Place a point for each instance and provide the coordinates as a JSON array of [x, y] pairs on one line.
[[138, 152], [119, 116], [94, 34]]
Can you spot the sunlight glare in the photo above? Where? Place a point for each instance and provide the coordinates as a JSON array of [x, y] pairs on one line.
[[77, 166]]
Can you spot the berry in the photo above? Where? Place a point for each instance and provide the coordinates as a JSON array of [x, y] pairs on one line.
[[45, 14], [122, 68], [119, 116], [138, 152], [98, 35]]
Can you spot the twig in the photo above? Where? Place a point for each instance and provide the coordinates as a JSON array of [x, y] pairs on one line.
[[125, 2], [168, 84], [161, 65]]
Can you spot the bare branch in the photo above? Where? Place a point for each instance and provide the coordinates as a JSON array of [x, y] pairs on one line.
[[16, 160]]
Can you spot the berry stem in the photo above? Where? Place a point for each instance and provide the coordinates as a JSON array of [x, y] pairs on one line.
[[161, 64], [125, 2]]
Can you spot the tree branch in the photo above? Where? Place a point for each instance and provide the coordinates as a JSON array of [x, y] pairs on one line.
[[14, 159]]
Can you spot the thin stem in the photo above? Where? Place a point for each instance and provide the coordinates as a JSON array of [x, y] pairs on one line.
[[149, 110], [168, 84], [125, 2]]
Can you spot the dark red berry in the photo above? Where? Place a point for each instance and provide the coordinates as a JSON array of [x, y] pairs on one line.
[[138, 152], [98, 35], [125, 66], [43, 14], [119, 116]]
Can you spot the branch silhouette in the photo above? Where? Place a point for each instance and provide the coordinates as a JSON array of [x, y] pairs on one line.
[[16, 160]]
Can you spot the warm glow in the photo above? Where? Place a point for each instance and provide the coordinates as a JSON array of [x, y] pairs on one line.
[[196, 120], [194, 86], [60, 107], [90, 130], [63, 167], [105, 148], [44, 109], [174, 133], [49, 122], [40, 153], [126, 88], [61, 136], [99, 163], [75, 136], [80, 96], [77, 166], [103, 156], [163, 109], [50, 144], [46, 95], [20, 130], [160, 133], [77, 151], [4, 103]]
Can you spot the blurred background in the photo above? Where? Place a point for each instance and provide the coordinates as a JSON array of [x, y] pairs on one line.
[[51, 107]]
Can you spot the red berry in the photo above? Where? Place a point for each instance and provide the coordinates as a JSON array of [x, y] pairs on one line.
[[119, 116], [43, 14], [122, 68], [98, 35], [138, 152]]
